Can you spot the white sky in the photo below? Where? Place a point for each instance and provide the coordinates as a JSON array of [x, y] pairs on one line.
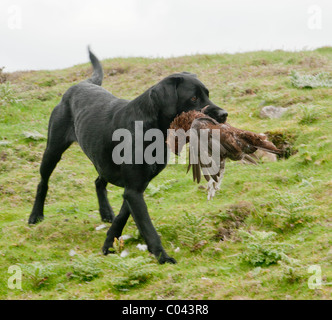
[[51, 34]]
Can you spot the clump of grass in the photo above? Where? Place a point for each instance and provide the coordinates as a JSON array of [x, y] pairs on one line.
[[3, 76], [38, 274], [306, 155], [153, 190], [73, 209], [85, 268], [322, 79], [7, 94], [292, 272], [271, 98], [47, 83], [283, 140], [290, 211], [131, 272], [233, 219], [261, 249], [195, 234], [310, 114]]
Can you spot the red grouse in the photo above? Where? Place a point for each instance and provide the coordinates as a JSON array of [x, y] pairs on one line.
[[211, 143]]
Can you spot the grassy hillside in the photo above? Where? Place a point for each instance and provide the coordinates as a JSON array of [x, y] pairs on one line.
[[255, 240]]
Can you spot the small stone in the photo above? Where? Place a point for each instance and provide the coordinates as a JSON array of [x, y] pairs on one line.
[[124, 253], [102, 226], [266, 156], [126, 237], [142, 247], [272, 112], [72, 253]]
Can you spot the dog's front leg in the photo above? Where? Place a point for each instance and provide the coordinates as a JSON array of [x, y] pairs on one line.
[[139, 211], [116, 228]]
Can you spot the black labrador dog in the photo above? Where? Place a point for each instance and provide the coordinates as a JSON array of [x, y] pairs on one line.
[[90, 115]]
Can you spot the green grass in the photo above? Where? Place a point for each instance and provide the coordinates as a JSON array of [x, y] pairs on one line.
[[256, 239]]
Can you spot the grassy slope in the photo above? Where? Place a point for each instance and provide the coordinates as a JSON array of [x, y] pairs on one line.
[[290, 197]]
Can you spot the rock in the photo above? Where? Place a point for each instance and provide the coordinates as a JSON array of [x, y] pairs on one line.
[[272, 112], [34, 135], [266, 156]]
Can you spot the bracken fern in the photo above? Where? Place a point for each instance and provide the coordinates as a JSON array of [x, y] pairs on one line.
[[322, 79]]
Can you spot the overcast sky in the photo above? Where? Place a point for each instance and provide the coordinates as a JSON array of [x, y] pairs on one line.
[[51, 34]]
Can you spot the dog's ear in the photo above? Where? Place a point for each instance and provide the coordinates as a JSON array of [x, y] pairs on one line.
[[164, 95]]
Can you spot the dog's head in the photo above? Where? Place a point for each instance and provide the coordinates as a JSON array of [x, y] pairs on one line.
[[182, 92]]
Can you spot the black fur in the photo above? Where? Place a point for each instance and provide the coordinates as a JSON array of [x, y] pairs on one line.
[[89, 115]]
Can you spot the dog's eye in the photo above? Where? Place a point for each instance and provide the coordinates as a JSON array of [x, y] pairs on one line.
[[194, 99]]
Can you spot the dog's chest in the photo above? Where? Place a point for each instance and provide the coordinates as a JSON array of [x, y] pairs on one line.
[[155, 169]]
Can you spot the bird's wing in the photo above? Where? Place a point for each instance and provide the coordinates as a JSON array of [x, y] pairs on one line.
[[231, 142], [257, 141], [205, 151]]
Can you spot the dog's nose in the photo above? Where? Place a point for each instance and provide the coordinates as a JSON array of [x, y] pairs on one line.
[[215, 112], [223, 114]]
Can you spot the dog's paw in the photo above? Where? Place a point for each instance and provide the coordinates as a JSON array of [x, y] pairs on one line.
[[107, 251], [107, 216], [107, 219], [167, 259], [34, 219]]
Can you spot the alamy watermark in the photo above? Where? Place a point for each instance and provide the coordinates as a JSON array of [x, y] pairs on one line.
[[315, 21], [314, 281], [15, 280], [14, 21], [149, 147]]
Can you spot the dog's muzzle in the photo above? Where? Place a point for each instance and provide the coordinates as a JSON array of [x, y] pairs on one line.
[[216, 113]]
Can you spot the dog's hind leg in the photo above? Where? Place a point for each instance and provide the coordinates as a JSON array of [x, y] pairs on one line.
[[105, 209], [60, 136], [50, 159]]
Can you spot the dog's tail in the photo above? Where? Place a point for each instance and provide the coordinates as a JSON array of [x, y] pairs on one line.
[[98, 74]]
